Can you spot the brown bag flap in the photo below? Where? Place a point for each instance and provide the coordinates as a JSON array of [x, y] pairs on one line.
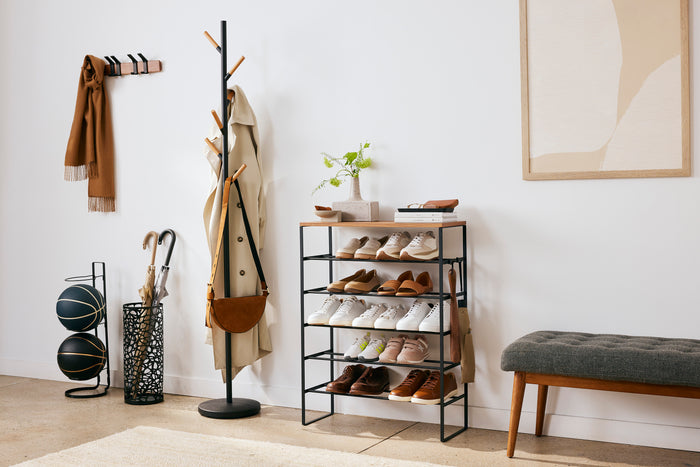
[[238, 314], [441, 203]]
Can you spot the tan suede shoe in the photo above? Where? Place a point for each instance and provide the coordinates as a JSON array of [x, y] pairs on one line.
[[364, 284], [339, 285]]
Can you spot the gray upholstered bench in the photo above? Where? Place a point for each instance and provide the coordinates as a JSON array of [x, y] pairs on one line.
[[643, 365]]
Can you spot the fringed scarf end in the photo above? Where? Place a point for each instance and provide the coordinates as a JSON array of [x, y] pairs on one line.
[[75, 173], [101, 204]]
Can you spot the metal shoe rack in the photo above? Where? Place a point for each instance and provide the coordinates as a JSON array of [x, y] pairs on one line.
[[332, 356]]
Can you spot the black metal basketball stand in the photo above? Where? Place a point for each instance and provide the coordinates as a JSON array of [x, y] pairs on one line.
[[93, 279]]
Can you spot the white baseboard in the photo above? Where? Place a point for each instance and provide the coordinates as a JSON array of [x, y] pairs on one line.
[[596, 429]]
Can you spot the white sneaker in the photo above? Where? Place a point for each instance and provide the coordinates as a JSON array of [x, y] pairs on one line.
[[323, 314], [392, 248], [390, 317], [374, 348], [356, 347], [431, 323], [348, 251], [350, 309], [423, 247], [413, 318], [370, 315], [369, 250]]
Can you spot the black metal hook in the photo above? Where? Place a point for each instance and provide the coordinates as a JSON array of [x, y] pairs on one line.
[[145, 63], [111, 66], [118, 64], [135, 71], [161, 237]]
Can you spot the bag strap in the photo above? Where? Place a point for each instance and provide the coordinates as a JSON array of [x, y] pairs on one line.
[[222, 223], [251, 242]]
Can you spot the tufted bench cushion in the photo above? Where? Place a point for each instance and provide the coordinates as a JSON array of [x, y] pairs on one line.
[[653, 360], [608, 362]]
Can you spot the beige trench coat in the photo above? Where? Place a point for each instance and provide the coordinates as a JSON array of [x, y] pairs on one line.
[[243, 141]]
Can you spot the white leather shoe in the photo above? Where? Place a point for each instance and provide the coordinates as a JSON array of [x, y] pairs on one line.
[[350, 309], [392, 248], [423, 247], [348, 251], [431, 323], [413, 318], [324, 313], [369, 316], [390, 317]]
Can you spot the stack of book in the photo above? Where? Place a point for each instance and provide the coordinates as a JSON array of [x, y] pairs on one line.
[[424, 215]]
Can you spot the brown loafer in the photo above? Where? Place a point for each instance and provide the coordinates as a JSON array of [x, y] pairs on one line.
[[342, 384], [339, 285], [429, 393], [421, 285], [375, 380], [364, 284], [404, 391]]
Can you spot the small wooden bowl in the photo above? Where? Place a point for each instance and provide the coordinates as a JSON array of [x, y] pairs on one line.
[[324, 213]]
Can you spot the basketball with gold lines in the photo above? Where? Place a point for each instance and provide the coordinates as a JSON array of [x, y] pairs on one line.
[[80, 307], [82, 356]]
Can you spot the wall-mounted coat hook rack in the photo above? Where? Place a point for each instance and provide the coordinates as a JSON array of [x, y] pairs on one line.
[[143, 67]]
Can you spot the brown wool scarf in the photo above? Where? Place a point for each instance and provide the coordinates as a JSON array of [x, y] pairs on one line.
[[90, 152]]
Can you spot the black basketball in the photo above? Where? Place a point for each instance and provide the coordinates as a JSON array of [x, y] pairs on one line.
[[80, 307], [81, 356]]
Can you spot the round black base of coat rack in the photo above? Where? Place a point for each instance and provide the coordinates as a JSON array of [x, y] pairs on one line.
[[237, 408]]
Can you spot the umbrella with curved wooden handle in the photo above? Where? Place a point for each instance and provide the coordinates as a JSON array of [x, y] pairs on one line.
[[455, 333], [146, 294]]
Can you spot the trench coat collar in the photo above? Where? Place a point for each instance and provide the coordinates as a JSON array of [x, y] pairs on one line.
[[242, 112]]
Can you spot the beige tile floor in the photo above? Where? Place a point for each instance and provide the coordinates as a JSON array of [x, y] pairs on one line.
[[37, 419]]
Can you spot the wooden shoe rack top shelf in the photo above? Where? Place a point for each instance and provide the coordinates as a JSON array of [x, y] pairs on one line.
[[439, 294]]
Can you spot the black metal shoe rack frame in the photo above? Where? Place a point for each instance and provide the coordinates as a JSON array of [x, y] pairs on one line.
[[229, 407], [330, 355]]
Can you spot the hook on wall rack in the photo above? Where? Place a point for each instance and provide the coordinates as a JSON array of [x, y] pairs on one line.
[[116, 68]]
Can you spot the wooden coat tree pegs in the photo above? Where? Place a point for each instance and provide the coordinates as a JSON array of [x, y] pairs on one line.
[[143, 67], [228, 407]]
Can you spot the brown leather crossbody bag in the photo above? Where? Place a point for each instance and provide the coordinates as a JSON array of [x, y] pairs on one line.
[[235, 314]]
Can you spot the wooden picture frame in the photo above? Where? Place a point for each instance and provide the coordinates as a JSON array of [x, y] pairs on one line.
[[586, 112]]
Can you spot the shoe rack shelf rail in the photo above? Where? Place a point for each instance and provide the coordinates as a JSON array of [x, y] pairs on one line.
[[332, 357]]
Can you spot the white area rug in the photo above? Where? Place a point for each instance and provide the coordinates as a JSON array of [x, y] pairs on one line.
[[157, 446]]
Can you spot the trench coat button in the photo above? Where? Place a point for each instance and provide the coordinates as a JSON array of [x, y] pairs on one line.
[[241, 272], [240, 239], [238, 205]]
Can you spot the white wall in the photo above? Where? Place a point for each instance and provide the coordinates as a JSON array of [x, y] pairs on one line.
[[435, 86]]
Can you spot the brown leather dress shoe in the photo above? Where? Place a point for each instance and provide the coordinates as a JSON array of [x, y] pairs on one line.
[[372, 382], [342, 383], [429, 393], [413, 382]]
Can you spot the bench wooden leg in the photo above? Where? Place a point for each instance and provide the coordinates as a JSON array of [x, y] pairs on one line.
[[516, 406], [541, 404]]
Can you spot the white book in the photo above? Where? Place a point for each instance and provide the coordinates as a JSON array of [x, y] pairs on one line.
[[425, 215], [425, 219]]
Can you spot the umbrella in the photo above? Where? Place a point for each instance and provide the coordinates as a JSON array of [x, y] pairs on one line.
[[159, 291], [146, 293]]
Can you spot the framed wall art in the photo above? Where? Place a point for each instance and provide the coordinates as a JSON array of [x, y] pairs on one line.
[[605, 88]]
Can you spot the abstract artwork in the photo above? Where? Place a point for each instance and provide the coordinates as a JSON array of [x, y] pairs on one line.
[[605, 88]]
